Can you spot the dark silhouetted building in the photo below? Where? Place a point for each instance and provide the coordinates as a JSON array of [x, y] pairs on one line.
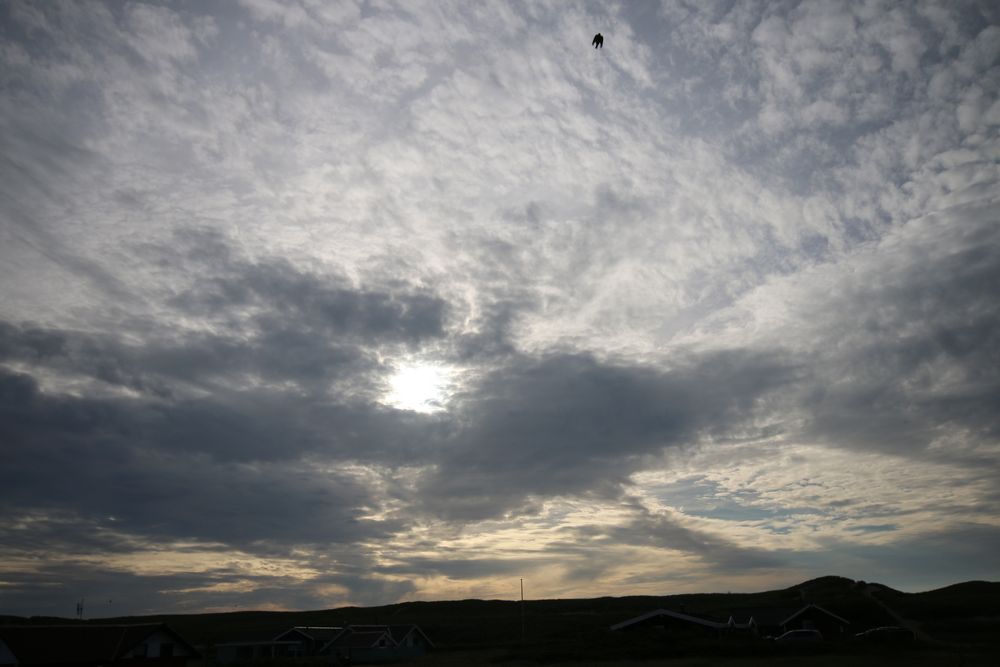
[[85, 645]]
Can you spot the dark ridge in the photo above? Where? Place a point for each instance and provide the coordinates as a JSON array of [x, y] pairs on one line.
[[827, 582], [967, 588], [970, 599]]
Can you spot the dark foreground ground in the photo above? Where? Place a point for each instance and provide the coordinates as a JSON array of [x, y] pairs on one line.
[[957, 626], [917, 658]]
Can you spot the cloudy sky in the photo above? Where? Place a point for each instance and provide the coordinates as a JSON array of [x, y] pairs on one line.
[[312, 303]]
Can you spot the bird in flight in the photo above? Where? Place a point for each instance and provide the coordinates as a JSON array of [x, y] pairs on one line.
[[598, 41]]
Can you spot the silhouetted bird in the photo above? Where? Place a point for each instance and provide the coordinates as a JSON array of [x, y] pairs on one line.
[[598, 41]]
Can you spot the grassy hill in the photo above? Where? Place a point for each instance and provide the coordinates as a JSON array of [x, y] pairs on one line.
[[966, 613]]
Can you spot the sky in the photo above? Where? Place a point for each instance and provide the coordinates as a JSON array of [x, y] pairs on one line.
[[309, 304]]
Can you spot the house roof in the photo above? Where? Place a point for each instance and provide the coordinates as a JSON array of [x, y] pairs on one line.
[[776, 616], [739, 618], [49, 644], [817, 608], [400, 632], [367, 636], [767, 616], [686, 618], [363, 639], [312, 632]]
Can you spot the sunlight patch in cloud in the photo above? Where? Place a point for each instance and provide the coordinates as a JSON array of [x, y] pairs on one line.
[[420, 387]]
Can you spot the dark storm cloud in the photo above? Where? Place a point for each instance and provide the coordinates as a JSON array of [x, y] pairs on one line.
[[209, 441], [311, 331], [664, 532], [276, 296], [565, 424], [535, 427], [182, 455], [318, 304], [286, 415], [60, 531], [96, 457], [209, 361]]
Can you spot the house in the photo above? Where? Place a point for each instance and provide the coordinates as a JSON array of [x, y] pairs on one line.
[[773, 621], [361, 646], [351, 643], [311, 639], [249, 650], [378, 643], [410, 640], [767, 621], [760, 621], [814, 617], [85, 645], [674, 623]]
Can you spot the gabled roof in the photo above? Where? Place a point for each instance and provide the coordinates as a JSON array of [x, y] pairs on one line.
[[369, 627], [775, 616], [817, 608], [364, 639], [368, 636], [766, 616], [686, 618], [312, 632], [48, 644], [399, 633]]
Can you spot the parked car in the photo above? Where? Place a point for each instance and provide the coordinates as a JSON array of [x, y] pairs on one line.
[[889, 634], [799, 636]]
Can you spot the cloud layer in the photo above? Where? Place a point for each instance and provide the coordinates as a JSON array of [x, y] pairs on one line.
[[714, 305]]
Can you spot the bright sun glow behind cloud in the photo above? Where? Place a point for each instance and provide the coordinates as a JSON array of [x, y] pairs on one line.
[[419, 387]]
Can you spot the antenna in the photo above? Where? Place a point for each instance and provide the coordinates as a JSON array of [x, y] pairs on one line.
[[522, 610]]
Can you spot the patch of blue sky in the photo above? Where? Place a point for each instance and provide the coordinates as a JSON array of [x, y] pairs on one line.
[[875, 528], [701, 497], [731, 511]]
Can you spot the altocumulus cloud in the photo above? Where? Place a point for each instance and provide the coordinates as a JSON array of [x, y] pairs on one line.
[[714, 303]]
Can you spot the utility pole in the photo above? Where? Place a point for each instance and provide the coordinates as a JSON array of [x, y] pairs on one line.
[[522, 610]]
